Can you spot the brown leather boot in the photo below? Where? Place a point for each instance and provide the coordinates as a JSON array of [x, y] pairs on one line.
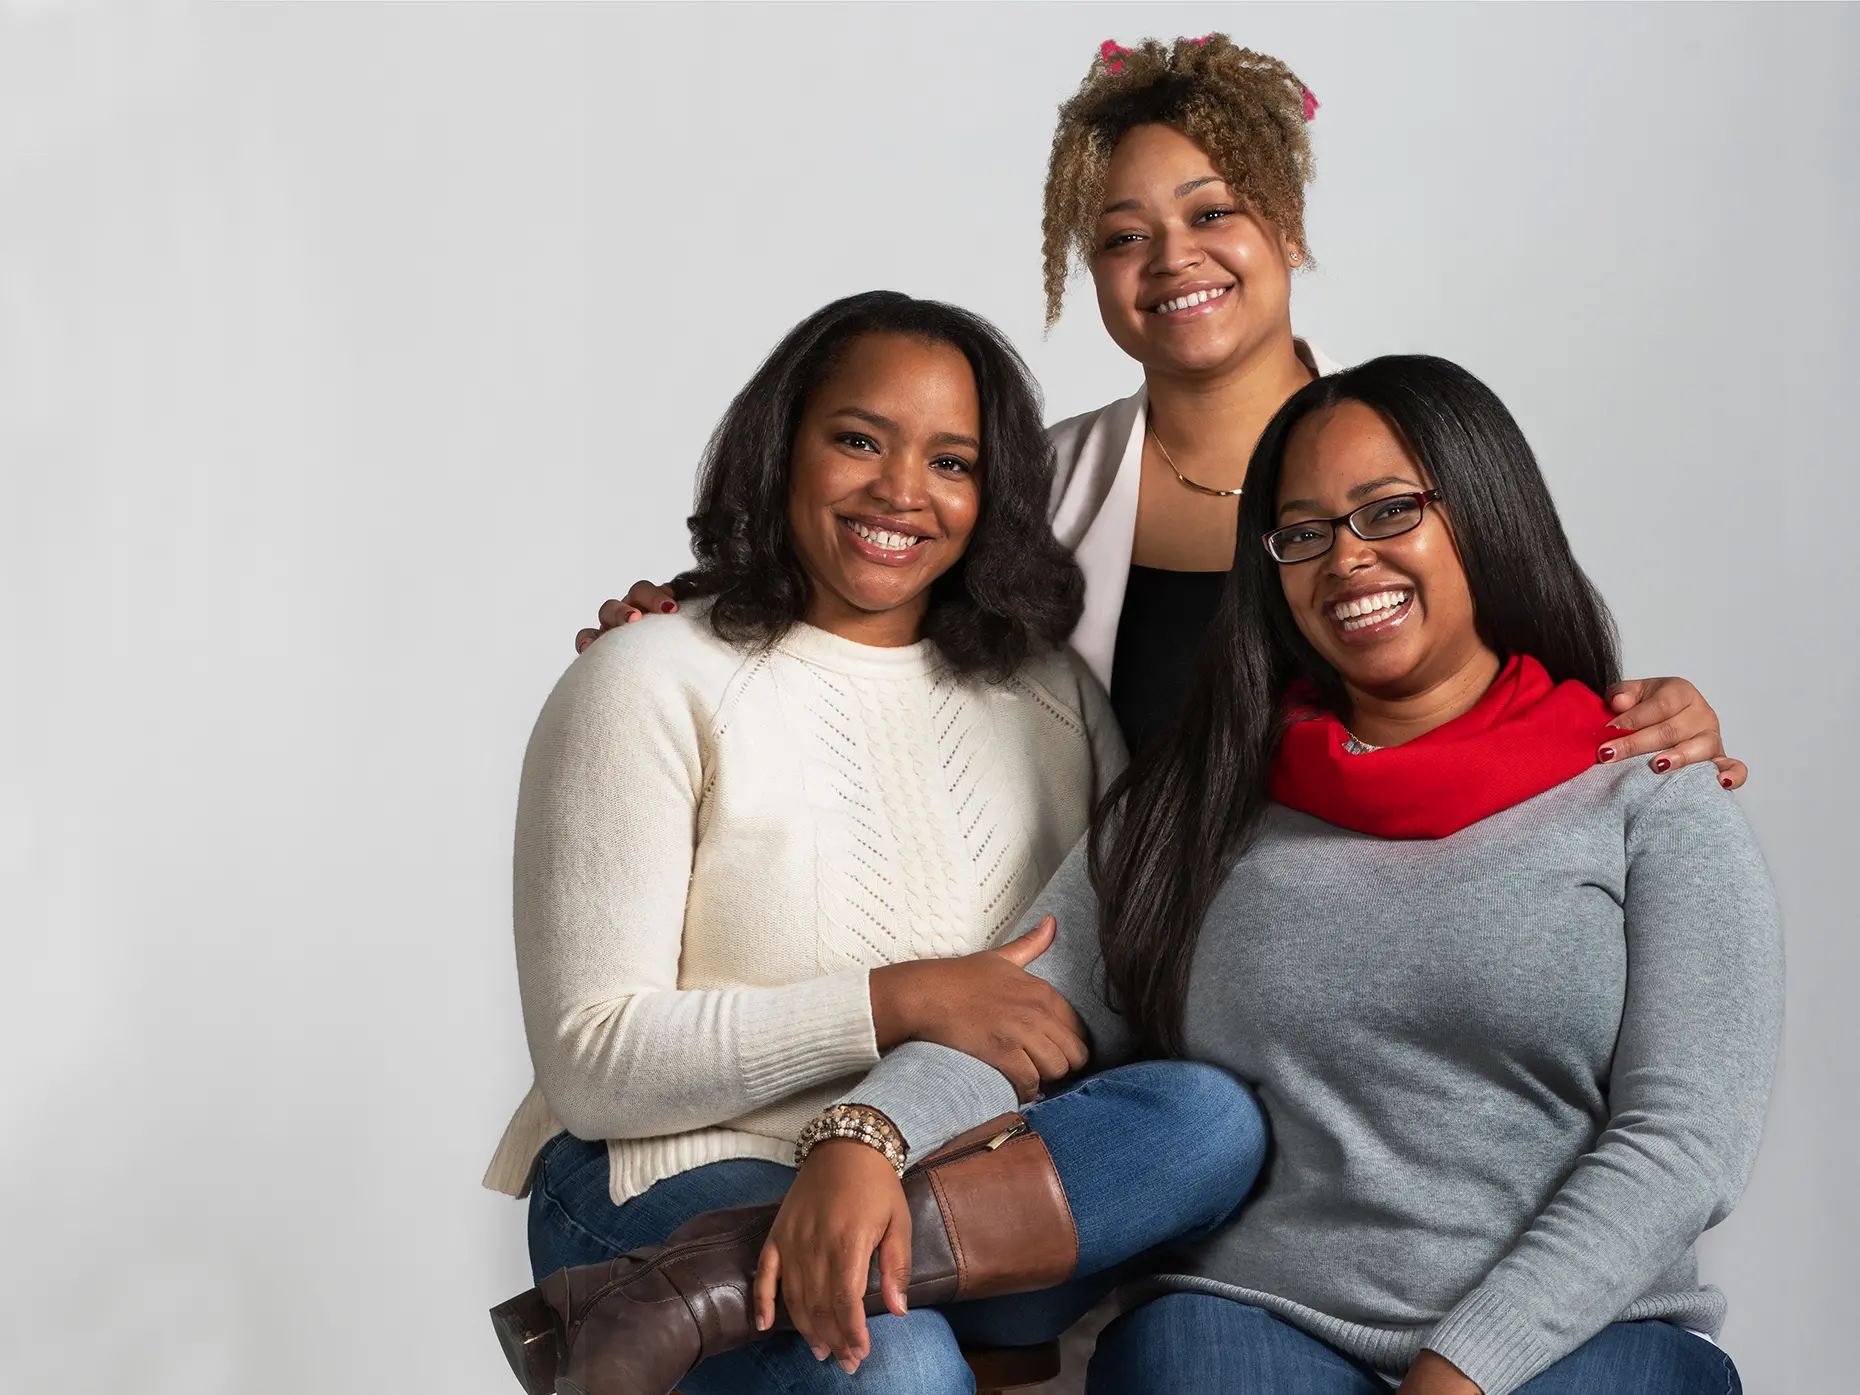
[[988, 1216]]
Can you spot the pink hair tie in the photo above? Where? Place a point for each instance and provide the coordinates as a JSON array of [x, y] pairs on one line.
[[1207, 38], [1311, 101], [1111, 54]]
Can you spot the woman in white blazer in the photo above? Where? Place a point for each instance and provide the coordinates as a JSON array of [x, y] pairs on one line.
[[1177, 179]]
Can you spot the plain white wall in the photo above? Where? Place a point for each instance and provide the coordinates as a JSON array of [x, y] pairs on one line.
[[350, 355]]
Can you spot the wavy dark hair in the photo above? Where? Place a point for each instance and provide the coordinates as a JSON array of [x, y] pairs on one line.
[[1014, 590], [1170, 828]]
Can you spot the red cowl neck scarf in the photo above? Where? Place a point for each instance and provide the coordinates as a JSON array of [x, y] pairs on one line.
[[1525, 736]]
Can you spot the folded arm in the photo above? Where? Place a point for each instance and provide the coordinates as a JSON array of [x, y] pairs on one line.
[[933, 1093]]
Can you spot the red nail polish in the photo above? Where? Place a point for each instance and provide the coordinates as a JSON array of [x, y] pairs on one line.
[[1725, 781], [1659, 766], [668, 607], [1608, 753]]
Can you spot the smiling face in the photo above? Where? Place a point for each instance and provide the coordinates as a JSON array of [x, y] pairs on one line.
[[1394, 616], [1189, 279], [882, 493]]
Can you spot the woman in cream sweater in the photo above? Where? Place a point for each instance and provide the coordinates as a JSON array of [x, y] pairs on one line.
[[768, 838]]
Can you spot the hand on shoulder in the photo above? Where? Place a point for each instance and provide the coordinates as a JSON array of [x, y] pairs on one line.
[[644, 598], [1668, 721]]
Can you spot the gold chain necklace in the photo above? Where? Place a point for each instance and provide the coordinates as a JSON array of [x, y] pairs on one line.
[[1198, 488]]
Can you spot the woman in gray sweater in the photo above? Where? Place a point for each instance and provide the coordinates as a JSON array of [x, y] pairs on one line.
[[1512, 1016]]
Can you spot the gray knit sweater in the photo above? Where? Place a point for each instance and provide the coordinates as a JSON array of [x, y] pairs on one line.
[[1511, 1075]]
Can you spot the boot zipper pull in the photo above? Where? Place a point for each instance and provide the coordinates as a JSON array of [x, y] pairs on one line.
[[1005, 1135]]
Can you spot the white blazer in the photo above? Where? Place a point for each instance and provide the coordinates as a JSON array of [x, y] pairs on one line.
[[1099, 459]]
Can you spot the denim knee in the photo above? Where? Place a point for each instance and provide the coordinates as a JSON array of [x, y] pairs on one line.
[[916, 1354], [1151, 1152], [1191, 1343], [1644, 1358], [1214, 1127], [1223, 1110]]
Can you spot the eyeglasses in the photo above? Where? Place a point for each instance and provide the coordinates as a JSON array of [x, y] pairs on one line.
[[1387, 517]]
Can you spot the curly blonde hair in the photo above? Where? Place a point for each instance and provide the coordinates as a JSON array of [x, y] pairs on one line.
[[1247, 110]]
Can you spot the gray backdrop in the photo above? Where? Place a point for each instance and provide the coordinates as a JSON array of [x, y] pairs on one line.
[[350, 355]]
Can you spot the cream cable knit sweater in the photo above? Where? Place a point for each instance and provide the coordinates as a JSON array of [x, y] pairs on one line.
[[715, 847]]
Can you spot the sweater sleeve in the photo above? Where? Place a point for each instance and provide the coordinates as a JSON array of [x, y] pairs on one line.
[[606, 835], [1686, 1094], [932, 1092]]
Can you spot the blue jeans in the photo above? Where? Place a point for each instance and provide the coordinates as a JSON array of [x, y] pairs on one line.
[[1196, 1342], [1147, 1153]]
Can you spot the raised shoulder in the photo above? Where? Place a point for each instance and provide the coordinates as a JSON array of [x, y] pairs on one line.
[[1069, 437], [658, 664], [1089, 448], [1068, 434]]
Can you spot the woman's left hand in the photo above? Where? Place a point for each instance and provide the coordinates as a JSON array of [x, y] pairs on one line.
[[1433, 1374], [1669, 720], [845, 1208]]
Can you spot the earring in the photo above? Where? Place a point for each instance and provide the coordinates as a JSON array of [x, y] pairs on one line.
[[1297, 257]]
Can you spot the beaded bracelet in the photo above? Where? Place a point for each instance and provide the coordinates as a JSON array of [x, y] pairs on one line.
[[855, 1121]]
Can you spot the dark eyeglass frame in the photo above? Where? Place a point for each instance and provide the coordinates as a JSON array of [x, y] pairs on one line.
[[1421, 497]]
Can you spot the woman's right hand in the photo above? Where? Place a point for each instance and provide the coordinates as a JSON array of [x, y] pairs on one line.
[[988, 1006], [846, 1205], [644, 598]]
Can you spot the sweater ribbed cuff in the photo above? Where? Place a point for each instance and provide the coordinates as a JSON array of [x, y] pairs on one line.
[[806, 1034], [1494, 1344], [931, 1093]]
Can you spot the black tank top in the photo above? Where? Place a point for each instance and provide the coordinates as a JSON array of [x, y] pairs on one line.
[[1159, 632]]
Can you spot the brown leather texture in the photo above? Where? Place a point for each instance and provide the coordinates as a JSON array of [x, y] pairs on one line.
[[635, 1325], [933, 1263], [1008, 1222], [716, 1279], [629, 1331]]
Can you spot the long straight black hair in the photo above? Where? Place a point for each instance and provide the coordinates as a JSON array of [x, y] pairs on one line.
[[1172, 825]]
